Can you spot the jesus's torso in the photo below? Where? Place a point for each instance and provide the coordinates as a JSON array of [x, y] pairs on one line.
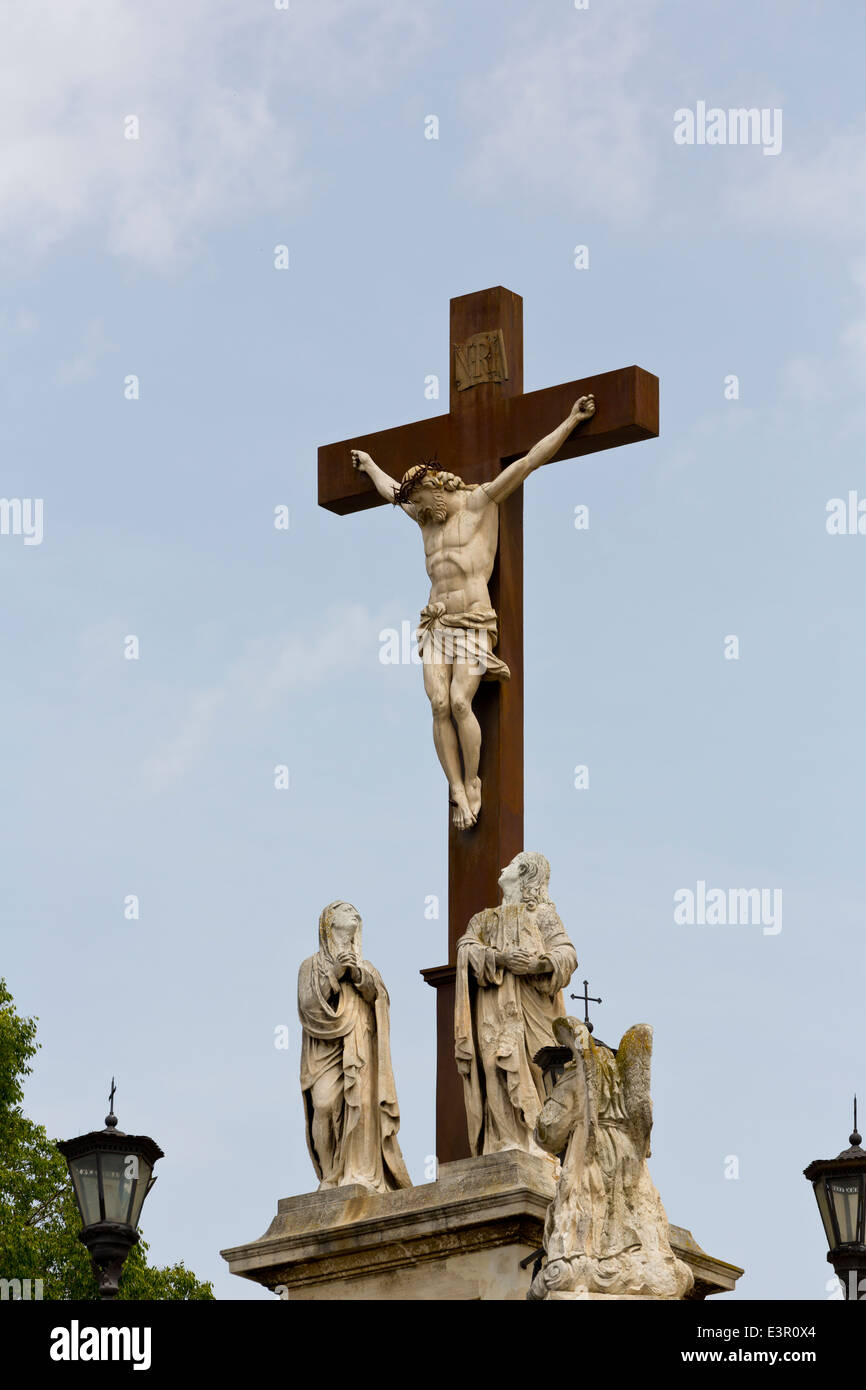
[[460, 552]]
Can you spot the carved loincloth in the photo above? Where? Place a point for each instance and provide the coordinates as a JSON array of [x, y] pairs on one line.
[[470, 637]]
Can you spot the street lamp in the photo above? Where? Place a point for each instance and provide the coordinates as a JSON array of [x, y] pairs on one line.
[[840, 1190], [111, 1174], [552, 1062]]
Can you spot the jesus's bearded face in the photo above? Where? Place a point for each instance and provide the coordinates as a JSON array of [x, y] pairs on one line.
[[430, 504]]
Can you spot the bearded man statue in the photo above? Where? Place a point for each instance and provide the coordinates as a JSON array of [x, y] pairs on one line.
[[512, 965]]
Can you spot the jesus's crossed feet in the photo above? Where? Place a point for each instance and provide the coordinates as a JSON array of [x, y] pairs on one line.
[[466, 803]]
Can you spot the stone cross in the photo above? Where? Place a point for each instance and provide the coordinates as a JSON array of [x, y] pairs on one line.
[[490, 423]]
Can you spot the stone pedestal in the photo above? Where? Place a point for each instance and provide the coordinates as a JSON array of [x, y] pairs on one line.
[[462, 1237]]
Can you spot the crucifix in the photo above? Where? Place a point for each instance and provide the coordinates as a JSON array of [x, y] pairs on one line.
[[490, 424], [586, 999]]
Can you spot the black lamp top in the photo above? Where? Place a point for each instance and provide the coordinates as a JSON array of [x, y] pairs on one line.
[[111, 1139], [854, 1139], [853, 1159], [111, 1118]]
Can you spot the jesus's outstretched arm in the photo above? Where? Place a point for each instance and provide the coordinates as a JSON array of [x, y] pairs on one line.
[[510, 478], [384, 485]]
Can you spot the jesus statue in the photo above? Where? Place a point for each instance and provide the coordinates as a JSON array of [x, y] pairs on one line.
[[459, 627]]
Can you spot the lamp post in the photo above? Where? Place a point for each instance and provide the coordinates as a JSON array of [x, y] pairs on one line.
[[111, 1174], [552, 1061], [840, 1190]]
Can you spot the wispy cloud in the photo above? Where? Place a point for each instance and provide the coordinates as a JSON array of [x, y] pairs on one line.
[[817, 192], [214, 85], [84, 362], [180, 751], [270, 670], [69, 76], [562, 116]]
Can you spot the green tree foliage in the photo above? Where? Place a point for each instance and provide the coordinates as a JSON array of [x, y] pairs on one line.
[[39, 1220]]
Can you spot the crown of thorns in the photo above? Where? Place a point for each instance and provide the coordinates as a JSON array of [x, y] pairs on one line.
[[415, 476]]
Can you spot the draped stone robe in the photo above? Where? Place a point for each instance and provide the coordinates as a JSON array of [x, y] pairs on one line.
[[347, 1079], [497, 1032]]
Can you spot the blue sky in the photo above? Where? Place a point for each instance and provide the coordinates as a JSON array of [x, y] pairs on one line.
[[155, 258]]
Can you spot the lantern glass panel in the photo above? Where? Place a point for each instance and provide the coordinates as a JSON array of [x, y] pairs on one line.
[[552, 1076], [144, 1179], [824, 1209], [119, 1175], [85, 1180], [845, 1194]]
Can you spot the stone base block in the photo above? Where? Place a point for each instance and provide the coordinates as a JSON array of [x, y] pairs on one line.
[[462, 1237], [600, 1298]]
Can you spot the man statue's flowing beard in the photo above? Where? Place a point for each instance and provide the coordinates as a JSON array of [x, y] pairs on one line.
[[435, 510]]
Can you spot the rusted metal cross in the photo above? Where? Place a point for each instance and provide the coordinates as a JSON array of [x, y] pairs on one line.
[[489, 424]]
